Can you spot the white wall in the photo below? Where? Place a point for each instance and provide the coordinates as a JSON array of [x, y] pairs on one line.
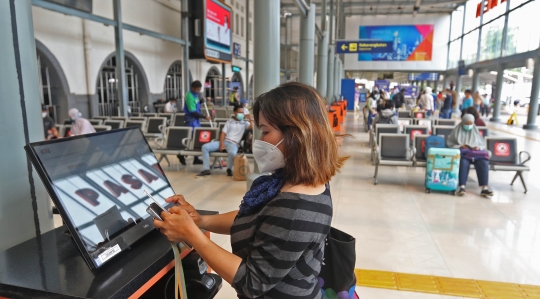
[[440, 42], [63, 36]]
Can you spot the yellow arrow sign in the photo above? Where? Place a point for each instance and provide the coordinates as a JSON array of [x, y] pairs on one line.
[[344, 47]]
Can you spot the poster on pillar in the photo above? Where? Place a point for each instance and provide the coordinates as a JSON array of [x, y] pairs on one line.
[[405, 42]]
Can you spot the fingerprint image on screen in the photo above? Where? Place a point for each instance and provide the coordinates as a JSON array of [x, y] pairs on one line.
[[99, 180]]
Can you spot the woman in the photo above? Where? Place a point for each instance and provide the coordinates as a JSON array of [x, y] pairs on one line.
[[472, 146], [371, 104], [426, 101], [478, 101], [478, 121], [278, 234], [386, 115]]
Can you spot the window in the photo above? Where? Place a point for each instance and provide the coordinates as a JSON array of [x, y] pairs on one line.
[[516, 3], [522, 35], [492, 40], [242, 9], [242, 26], [470, 47], [250, 31], [471, 21], [453, 55], [236, 23], [457, 23], [495, 11]]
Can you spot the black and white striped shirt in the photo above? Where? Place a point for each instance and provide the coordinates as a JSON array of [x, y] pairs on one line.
[[282, 247]]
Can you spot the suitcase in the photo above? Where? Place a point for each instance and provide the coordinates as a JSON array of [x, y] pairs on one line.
[[442, 170], [434, 141]]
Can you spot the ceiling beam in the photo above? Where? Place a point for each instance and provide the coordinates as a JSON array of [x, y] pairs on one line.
[[389, 3]]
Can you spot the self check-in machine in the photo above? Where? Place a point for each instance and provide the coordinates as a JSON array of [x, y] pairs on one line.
[[97, 182]]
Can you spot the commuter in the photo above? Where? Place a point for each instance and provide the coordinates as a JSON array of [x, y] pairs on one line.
[[247, 114], [386, 115], [229, 140], [192, 110], [426, 101], [470, 142], [371, 104], [278, 235], [410, 103], [486, 107], [394, 92], [79, 124], [49, 127], [399, 99], [170, 107], [234, 97], [455, 98], [478, 100], [446, 110], [478, 121], [468, 101]]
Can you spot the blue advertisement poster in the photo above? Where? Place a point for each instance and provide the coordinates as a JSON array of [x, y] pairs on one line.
[[396, 43]]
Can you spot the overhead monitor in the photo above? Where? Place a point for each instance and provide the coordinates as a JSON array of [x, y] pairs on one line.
[[210, 31], [97, 182]]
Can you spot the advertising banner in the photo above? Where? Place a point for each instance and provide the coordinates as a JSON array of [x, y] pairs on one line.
[[395, 43], [218, 42]]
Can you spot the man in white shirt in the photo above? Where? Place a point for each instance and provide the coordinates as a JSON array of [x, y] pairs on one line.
[[229, 140], [170, 107], [247, 114]]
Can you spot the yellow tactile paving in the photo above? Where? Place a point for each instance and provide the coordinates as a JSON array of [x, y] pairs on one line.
[[445, 285]]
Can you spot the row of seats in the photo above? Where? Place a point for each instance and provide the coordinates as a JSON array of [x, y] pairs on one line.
[[187, 141], [396, 149]]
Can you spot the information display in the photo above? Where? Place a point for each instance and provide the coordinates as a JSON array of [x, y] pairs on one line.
[[395, 43], [218, 40], [97, 182]]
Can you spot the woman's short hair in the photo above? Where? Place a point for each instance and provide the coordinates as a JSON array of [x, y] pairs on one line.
[[298, 111]]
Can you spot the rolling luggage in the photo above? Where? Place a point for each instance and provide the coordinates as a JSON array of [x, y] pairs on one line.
[[434, 141], [442, 170]]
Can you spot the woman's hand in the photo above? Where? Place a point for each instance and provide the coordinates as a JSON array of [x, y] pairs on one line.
[[464, 146], [182, 204], [177, 227]]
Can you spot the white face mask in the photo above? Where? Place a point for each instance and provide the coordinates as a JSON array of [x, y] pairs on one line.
[[43, 114], [267, 156]]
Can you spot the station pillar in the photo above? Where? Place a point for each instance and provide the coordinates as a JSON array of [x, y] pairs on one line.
[[26, 210]]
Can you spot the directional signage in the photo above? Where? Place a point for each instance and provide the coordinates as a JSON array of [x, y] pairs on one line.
[[363, 46], [235, 68], [423, 76]]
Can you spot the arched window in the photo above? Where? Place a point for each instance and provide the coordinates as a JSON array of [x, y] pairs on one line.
[[107, 86], [173, 82]]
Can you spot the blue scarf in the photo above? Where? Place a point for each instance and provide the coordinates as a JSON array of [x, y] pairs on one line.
[[262, 191]]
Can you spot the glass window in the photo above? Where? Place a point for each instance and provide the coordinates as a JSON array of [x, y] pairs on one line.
[[250, 31], [492, 39], [522, 35], [471, 21], [457, 23], [453, 56], [495, 11], [470, 47], [236, 23], [516, 3], [242, 9], [242, 25]]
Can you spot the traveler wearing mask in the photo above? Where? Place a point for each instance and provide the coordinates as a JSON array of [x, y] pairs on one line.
[[229, 140], [278, 234], [371, 104], [170, 107], [399, 99], [426, 101], [468, 101], [472, 145], [386, 116], [446, 110], [79, 124], [192, 110], [49, 127]]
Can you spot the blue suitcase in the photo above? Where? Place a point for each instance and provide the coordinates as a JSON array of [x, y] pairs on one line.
[[442, 170]]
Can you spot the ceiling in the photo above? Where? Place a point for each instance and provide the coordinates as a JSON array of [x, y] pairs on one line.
[[383, 7]]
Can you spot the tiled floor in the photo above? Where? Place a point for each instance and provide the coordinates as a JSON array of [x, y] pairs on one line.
[[398, 227]]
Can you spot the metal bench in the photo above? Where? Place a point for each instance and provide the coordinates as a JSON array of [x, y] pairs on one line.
[[392, 150], [505, 157]]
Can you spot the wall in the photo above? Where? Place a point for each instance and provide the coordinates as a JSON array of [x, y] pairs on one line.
[[440, 42], [82, 46]]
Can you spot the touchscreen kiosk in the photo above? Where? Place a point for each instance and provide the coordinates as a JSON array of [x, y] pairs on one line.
[[97, 182]]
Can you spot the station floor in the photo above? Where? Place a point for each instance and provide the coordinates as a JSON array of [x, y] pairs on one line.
[[400, 228]]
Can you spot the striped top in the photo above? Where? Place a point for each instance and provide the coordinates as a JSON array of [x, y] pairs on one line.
[[282, 247]]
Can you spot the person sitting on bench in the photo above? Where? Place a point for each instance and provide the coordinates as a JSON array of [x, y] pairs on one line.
[[229, 140]]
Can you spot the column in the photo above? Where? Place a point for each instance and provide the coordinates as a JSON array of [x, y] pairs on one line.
[[307, 46], [185, 52], [120, 59], [266, 50], [24, 203], [331, 60], [498, 97], [322, 64], [223, 85], [336, 77], [475, 81], [248, 31], [535, 93]]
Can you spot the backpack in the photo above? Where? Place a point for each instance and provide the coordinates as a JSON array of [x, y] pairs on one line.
[[434, 141]]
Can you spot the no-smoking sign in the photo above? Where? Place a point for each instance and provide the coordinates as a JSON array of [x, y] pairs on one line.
[[502, 149], [205, 136]]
